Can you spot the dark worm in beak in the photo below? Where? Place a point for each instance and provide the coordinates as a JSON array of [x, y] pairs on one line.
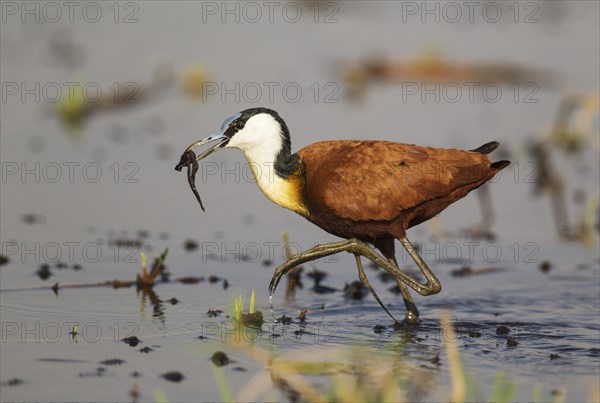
[[188, 159]]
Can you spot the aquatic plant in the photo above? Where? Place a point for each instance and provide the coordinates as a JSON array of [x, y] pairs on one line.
[[146, 279], [253, 318]]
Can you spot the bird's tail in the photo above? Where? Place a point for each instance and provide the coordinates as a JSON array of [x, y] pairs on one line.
[[498, 165], [487, 147]]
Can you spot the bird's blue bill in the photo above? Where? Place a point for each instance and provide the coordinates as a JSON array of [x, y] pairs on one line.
[[219, 136]]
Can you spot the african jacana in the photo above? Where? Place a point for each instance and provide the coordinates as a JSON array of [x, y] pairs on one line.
[[363, 191]]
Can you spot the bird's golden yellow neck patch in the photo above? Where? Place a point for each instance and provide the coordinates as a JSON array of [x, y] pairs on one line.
[[288, 193]]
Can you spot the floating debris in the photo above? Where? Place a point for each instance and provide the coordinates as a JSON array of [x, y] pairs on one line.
[[220, 359], [143, 234], [190, 280], [62, 360], [146, 350], [502, 330], [511, 342], [436, 360], [112, 361], [31, 218], [316, 274], [173, 301], [190, 245], [285, 320], [173, 376], [254, 319], [132, 341], [378, 329], [44, 272], [100, 371], [545, 266], [469, 271], [323, 289], [302, 315], [355, 290], [4, 260], [12, 382], [125, 243], [386, 277], [213, 313]]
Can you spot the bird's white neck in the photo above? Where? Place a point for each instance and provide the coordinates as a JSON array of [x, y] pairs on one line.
[[284, 192], [262, 141]]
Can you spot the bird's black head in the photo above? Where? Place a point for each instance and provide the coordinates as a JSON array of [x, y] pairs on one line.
[[261, 134]]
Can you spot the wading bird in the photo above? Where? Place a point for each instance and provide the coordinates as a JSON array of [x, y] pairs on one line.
[[363, 191]]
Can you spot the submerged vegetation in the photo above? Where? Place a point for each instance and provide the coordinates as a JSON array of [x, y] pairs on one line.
[[370, 375], [252, 318]]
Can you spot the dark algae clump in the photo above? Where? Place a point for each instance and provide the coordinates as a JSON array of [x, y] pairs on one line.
[[286, 320], [132, 341], [502, 330], [44, 272], [254, 319], [173, 376], [511, 342], [220, 359], [188, 159], [213, 313]]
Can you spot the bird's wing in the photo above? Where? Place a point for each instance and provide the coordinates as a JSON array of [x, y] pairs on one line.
[[377, 180]]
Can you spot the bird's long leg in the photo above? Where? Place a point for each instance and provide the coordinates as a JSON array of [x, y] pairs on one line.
[[314, 253], [412, 313], [363, 278], [355, 246], [433, 284]]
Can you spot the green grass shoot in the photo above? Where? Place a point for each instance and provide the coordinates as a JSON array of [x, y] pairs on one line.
[[252, 301], [239, 308]]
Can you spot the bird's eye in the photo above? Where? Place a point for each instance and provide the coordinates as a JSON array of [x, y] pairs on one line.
[[239, 125]]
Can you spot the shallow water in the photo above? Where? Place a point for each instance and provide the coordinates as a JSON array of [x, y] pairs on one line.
[[547, 313], [553, 313]]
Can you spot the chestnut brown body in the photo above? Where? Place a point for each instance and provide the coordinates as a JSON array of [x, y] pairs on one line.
[[375, 190]]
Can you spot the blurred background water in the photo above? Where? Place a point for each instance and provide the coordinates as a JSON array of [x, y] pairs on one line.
[[82, 171]]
